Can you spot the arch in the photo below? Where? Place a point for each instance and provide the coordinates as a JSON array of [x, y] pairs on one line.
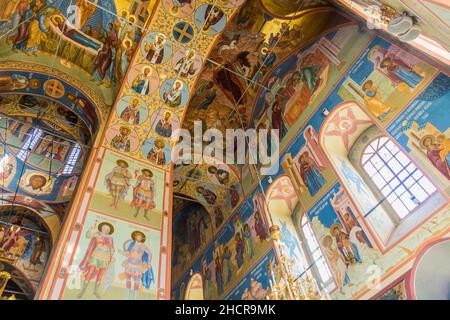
[[18, 281], [44, 223], [430, 275], [281, 205], [291, 10], [344, 137], [194, 288]]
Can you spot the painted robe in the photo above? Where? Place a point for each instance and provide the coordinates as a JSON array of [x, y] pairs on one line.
[[143, 193]]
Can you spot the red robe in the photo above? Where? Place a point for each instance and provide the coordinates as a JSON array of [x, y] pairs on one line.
[[90, 250]]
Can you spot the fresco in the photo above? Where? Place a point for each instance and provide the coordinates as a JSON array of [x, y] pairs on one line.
[[300, 82], [422, 129], [282, 203], [385, 78], [138, 133], [255, 285], [114, 259], [98, 47], [129, 189], [342, 239], [216, 186], [237, 246], [252, 45], [395, 292], [32, 85], [24, 249], [47, 175], [192, 231]]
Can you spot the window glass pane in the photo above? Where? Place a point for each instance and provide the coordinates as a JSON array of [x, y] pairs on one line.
[[391, 147], [385, 154], [378, 180], [370, 169], [376, 161], [427, 185], [365, 158], [407, 201], [394, 183], [386, 174], [418, 192], [391, 198], [409, 182], [399, 191], [374, 144], [403, 174], [402, 158], [411, 168], [395, 165], [398, 179], [417, 175], [386, 190]]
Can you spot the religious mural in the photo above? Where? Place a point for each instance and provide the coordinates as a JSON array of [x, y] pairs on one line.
[[395, 292], [97, 45], [22, 247], [114, 259], [256, 284], [130, 183], [242, 241], [422, 129], [217, 60], [129, 189], [341, 237], [252, 45], [414, 119], [217, 186]]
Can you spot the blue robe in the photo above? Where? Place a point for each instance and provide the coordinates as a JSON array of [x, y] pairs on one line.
[[147, 277], [313, 179]]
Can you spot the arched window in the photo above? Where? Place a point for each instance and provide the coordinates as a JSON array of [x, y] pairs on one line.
[[70, 164], [317, 260], [398, 179], [29, 144]]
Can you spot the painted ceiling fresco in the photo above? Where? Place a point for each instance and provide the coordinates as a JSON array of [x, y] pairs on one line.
[[94, 47], [253, 43]]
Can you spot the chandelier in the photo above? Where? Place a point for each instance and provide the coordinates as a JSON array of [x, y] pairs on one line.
[[286, 286]]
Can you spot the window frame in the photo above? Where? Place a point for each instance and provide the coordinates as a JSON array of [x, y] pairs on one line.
[[313, 266], [410, 169]]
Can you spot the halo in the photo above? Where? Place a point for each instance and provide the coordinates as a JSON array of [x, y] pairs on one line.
[[424, 138], [190, 51], [118, 162], [161, 36], [148, 68], [167, 112], [335, 226], [135, 233], [147, 170], [125, 128], [125, 40], [161, 142], [135, 99], [178, 81], [111, 228]]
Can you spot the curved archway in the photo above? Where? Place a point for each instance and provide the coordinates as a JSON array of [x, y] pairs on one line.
[[18, 285], [391, 194], [25, 241], [194, 288]]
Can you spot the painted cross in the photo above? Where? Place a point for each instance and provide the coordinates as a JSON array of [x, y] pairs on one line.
[[183, 32]]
